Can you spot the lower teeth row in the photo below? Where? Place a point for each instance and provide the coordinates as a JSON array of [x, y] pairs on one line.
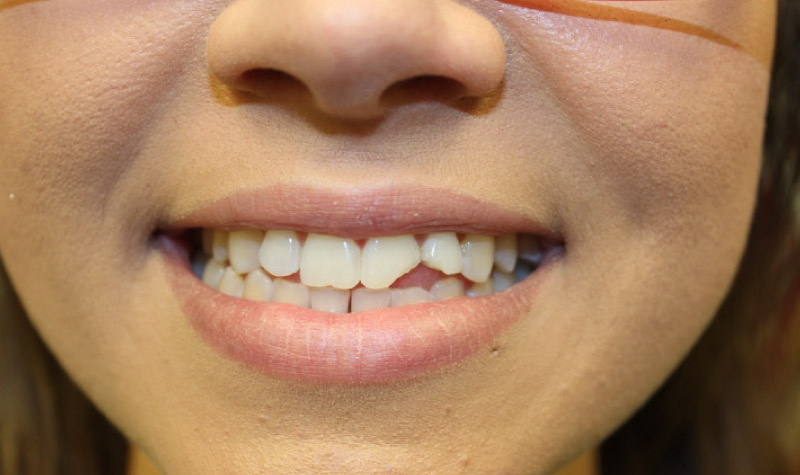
[[259, 286]]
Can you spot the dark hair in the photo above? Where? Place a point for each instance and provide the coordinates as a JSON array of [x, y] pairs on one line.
[[731, 408]]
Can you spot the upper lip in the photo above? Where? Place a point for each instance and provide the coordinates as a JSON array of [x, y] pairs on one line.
[[359, 213]]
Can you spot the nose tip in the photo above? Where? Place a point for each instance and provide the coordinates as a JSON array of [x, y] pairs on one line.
[[351, 54]]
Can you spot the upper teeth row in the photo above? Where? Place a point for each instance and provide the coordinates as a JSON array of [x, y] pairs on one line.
[[330, 261]]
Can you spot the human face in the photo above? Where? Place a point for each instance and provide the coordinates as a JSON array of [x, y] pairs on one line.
[[626, 135]]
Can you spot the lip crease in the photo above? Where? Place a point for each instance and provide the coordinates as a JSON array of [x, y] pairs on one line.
[[298, 344]]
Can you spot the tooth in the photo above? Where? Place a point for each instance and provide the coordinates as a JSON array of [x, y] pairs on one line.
[[329, 299], [447, 288], [410, 296], [284, 291], [502, 280], [213, 273], [442, 251], [280, 253], [219, 245], [529, 249], [231, 283], [477, 251], [385, 259], [366, 299], [258, 286], [330, 261], [243, 247], [505, 252], [480, 289]]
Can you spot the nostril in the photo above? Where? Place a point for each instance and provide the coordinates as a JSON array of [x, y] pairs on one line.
[[421, 89], [262, 81]]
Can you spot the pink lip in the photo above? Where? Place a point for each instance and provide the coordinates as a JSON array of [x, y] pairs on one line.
[[293, 343]]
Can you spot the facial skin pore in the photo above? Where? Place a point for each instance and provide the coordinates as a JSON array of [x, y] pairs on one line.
[[639, 145]]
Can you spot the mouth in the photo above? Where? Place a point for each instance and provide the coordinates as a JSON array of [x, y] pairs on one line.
[[399, 286]]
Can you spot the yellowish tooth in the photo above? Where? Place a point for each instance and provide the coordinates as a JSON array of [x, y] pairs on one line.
[[477, 252], [219, 245], [258, 286], [280, 253], [231, 283], [330, 261], [410, 296], [505, 252], [328, 299], [367, 299], [442, 251], [502, 280], [243, 247], [212, 273], [284, 291], [480, 289], [447, 288], [387, 258]]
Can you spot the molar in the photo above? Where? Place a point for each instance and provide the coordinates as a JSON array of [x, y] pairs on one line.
[[505, 252], [385, 259], [330, 261]]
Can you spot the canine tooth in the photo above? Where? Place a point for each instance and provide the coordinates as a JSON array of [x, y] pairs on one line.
[[231, 283], [502, 280], [219, 245], [280, 253], [447, 288], [329, 299], [367, 299], [480, 289], [258, 286], [477, 251], [243, 247], [284, 291], [385, 259], [410, 296], [442, 251], [330, 261], [213, 273], [505, 252], [529, 249]]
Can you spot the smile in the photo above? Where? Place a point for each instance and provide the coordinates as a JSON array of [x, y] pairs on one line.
[[301, 304]]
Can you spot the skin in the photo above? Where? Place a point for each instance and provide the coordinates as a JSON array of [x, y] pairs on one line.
[[634, 128]]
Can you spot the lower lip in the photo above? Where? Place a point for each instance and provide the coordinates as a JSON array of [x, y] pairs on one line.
[[298, 344]]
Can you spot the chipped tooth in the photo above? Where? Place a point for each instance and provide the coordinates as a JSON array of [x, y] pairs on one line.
[[284, 291], [367, 299], [231, 283], [330, 261], [477, 252], [219, 245], [410, 296], [387, 258], [480, 289], [447, 288], [505, 252], [213, 273], [442, 251], [258, 286], [243, 247], [280, 253], [529, 249], [502, 280], [329, 299]]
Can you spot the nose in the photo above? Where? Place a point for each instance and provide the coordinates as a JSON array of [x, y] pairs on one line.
[[350, 55]]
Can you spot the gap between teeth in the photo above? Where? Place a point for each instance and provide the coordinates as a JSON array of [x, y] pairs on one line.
[[250, 264]]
